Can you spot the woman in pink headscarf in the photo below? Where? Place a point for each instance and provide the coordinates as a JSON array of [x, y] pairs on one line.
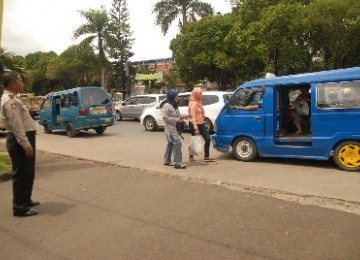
[[197, 126]]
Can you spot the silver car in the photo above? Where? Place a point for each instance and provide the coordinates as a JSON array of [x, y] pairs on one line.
[[134, 106]]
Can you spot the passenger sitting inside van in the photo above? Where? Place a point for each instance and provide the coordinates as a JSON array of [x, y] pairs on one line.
[[299, 109], [254, 104]]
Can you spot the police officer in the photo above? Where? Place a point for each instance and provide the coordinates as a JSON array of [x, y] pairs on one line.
[[20, 144]]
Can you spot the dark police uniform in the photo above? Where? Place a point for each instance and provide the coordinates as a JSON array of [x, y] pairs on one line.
[[21, 135]]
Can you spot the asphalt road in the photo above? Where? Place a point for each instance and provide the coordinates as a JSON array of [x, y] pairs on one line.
[[92, 210], [127, 144]]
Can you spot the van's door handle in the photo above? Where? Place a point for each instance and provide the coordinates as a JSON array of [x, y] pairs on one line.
[[257, 117]]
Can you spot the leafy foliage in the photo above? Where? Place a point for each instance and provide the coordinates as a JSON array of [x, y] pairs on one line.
[[278, 36], [96, 28], [188, 10], [119, 44]]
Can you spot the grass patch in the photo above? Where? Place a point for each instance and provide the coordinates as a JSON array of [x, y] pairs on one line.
[[5, 164]]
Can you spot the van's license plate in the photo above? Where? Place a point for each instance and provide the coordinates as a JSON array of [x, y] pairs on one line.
[[97, 110]]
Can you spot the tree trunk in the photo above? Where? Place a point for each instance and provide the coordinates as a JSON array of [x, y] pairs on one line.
[[103, 79]]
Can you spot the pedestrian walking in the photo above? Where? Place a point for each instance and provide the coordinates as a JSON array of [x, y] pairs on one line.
[[20, 144], [171, 116], [197, 126]]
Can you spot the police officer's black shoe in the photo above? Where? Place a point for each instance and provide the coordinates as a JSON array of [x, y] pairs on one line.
[[33, 203], [23, 212]]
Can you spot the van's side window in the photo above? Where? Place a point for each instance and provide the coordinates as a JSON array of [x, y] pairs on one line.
[[340, 95], [74, 99], [62, 98]]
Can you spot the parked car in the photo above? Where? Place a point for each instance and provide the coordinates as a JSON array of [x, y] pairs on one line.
[[134, 106], [212, 102]]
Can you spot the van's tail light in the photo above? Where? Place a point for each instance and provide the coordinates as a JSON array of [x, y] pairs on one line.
[[110, 110], [83, 111]]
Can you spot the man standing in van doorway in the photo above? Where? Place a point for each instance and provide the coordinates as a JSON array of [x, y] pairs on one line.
[[20, 144]]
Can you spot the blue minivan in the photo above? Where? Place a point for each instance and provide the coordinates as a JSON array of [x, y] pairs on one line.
[[310, 116], [76, 109]]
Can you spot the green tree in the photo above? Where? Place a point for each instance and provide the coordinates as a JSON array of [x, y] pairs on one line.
[[284, 49], [16, 63], [96, 28], [172, 79], [37, 66], [206, 50], [12, 61], [120, 44], [76, 66], [188, 10], [333, 32]]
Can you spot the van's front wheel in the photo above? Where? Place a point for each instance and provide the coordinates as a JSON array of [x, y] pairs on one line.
[[244, 149], [347, 155], [70, 131]]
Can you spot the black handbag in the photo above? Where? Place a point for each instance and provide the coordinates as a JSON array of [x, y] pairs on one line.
[[180, 127]]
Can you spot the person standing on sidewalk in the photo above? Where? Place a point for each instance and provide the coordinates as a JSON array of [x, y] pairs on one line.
[[197, 126], [20, 144], [171, 116]]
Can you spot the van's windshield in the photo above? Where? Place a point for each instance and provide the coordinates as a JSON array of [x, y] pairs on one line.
[[94, 97], [244, 97]]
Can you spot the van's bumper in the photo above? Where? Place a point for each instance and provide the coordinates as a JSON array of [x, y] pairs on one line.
[[218, 145], [92, 123]]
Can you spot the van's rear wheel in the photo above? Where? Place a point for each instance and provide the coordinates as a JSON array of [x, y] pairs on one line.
[[244, 149], [347, 155], [70, 131], [47, 129], [100, 130]]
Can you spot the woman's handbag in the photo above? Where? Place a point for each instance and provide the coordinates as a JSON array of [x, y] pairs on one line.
[[196, 145], [302, 108], [180, 127]]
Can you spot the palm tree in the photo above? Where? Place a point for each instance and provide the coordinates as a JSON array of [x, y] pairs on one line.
[[12, 62], [95, 28], [187, 10]]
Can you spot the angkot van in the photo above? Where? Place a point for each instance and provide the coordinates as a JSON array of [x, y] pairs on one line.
[[306, 116], [76, 109]]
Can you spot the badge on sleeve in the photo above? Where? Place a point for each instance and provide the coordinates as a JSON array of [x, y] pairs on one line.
[[14, 105]]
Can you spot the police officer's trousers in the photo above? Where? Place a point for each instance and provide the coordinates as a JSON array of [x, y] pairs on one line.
[[23, 169]]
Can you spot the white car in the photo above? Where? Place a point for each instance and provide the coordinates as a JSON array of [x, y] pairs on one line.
[[134, 106], [212, 101]]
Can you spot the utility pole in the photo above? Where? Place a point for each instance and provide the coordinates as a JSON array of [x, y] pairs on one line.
[[1, 20]]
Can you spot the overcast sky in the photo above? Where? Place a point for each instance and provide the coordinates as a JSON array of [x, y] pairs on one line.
[[48, 25]]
